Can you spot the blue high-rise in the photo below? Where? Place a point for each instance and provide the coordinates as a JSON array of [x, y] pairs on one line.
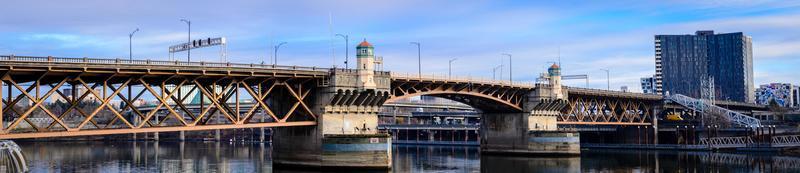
[[685, 62]]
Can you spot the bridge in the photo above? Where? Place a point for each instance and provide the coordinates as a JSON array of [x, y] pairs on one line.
[[328, 117]]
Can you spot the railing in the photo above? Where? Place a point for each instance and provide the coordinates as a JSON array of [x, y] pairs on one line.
[[785, 141], [727, 142], [702, 106], [100, 61], [745, 141], [612, 92], [468, 79]]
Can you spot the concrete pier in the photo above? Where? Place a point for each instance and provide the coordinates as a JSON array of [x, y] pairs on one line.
[[510, 134], [346, 134]]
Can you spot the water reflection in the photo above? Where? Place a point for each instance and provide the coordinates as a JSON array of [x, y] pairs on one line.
[[147, 157], [253, 157]]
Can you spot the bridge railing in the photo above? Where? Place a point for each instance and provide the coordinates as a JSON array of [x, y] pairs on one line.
[[102, 61], [464, 79]]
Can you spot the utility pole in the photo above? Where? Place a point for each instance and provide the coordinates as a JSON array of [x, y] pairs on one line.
[[450, 67], [276, 52], [510, 79], [189, 49], [608, 78], [346, 48], [419, 58]]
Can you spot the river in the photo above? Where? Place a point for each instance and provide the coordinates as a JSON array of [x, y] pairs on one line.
[[254, 157]]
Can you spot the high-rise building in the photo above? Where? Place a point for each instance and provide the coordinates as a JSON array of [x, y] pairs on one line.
[[683, 62], [649, 85], [783, 94]]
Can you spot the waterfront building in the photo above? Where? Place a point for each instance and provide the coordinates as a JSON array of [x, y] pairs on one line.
[[648, 85], [783, 94], [430, 120], [79, 91], [683, 62]]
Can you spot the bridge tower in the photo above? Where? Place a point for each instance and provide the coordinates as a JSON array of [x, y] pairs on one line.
[[366, 65], [346, 135], [535, 129]]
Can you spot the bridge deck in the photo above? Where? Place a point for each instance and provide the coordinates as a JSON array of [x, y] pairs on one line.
[[90, 66]]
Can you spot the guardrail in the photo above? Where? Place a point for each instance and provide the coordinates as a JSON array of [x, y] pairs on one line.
[[468, 79], [100, 61]]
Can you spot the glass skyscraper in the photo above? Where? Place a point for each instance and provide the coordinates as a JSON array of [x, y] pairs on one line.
[[685, 62]]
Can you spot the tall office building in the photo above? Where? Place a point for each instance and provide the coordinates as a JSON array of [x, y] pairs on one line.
[[683, 62]]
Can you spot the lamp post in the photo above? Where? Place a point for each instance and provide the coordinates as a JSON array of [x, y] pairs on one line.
[[450, 67], [189, 43], [130, 60], [510, 80], [494, 71], [130, 44], [608, 78], [276, 52], [419, 58], [346, 48]]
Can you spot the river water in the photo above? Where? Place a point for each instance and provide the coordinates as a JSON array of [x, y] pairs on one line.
[[253, 157]]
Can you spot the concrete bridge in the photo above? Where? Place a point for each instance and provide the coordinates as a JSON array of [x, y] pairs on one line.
[[327, 117]]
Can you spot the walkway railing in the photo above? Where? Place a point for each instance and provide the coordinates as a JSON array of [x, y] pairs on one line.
[[25, 59], [727, 142], [747, 141], [467, 79]]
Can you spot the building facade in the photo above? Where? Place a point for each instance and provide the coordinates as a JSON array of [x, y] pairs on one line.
[[783, 94], [648, 85], [684, 61]]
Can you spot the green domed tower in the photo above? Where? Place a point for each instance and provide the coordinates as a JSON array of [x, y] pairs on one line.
[[366, 65]]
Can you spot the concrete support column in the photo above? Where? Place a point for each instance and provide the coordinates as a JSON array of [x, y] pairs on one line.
[[510, 133], [182, 136], [345, 136]]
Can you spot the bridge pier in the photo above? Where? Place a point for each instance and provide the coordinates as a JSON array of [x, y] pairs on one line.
[[533, 130], [346, 107], [346, 136], [525, 134]]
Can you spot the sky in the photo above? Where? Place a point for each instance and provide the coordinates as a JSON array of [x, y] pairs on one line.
[[587, 35]]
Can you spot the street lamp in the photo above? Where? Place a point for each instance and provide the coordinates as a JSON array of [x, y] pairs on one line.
[[346, 48], [419, 58], [130, 60], [510, 80], [608, 78], [189, 43], [130, 44], [276, 53], [450, 67], [494, 71]]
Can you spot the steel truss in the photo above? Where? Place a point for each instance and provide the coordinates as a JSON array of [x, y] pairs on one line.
[[486, 97], [278, 99], [600, 110]]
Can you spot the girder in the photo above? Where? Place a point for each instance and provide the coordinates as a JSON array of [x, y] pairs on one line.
[[487, 97], [91, 97], [596, 109]]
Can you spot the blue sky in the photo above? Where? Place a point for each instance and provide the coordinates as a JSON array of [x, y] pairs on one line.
[[591, 35]]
